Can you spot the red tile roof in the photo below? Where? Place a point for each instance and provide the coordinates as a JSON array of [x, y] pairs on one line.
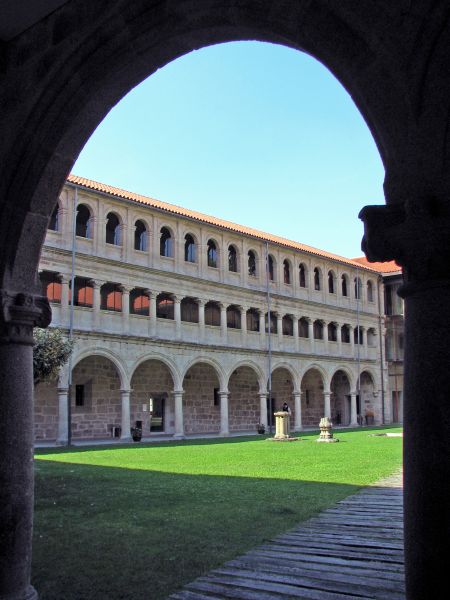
[[192, 214], [382, 267]]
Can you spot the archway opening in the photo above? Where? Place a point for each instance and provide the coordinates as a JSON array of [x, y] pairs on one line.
[[312, 387], [201, 401], [244, 404], [340, 398]]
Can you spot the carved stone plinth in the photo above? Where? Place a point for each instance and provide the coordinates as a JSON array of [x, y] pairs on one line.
[[282, 428], [326, 431]]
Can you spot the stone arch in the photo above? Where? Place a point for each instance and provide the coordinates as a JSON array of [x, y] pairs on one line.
[[341, 386], [244, 397], [151, 401], [369, 404], [110, 355], [292, 371], [202, 382], [174, 371], [284, 384], [209, 361], [313, 385], [262, 378]]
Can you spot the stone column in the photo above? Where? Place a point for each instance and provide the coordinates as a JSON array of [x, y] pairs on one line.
[[339, 338], [125, 309], [179, 424], [327, 404], [263, 408], [417, 234], [295, 326], [353, 409], [125, 434], [311, 334], [20, 313], [325, 338], [223, 321], [201, 317], [96, 316], [280, 329], [298, 411], [352, 339], [224, 431], [62, 438], [262, 324], [65, 296], [152, 296], [243, 310], [177, 315]]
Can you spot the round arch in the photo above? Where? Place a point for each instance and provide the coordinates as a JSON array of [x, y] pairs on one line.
[[209, 361], [114, 358], [260, 374], [350, 374], [325, 376], [165, 360], [294, 374]]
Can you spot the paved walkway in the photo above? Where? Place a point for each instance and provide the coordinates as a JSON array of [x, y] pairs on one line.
[[352, 550]]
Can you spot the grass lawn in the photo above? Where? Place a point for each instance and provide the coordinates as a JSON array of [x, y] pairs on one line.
[[141, 521]]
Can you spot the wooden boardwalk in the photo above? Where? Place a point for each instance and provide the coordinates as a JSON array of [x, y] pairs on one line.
[[352, 550]]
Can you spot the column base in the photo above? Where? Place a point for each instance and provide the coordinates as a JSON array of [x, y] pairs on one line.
[[60, 443], [126, 439], [298, 429], [179, 436], [224, 434], [29, 594]]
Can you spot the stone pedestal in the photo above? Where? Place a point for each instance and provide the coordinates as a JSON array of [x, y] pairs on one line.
[[326, 431], [282, 428]]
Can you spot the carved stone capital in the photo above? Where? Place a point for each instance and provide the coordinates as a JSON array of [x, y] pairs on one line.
[[415, 234], [20, 313]]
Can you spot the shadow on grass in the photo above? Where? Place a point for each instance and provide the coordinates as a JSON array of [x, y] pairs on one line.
[[103, 532]]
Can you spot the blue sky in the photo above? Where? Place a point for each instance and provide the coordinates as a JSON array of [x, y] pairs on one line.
[[255, 133]]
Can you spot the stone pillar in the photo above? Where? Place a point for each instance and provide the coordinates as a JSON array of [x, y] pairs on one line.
[[65, 296], [353, 409], [327, 404], [177, 316], [295, 326], [179, 424], [339, 338], [152, 296], [224, 430], [125, 434], [243, 310], [125, 309], [20, 313], [263, 408], [262, 324], [96, 285], [311, 334], [223, 321], [417, 234], [201, 317], [62, 438], [352, 339], [298, 411], [280, 329]]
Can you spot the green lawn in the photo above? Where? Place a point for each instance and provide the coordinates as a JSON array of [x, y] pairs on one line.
[[140, 521]]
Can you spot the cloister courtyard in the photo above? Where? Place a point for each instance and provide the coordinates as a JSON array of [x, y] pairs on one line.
[[143, 520]]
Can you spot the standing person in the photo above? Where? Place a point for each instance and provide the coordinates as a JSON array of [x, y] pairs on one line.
[[287, 409]]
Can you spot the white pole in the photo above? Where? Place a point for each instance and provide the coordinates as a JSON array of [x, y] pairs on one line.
[[269, 321]]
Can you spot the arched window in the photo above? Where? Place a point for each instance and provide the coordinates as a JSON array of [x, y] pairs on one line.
[[251, 263], [273, 323], [358, 335], [212, 254], [331, 282], [344, 285], [190, 250], [54, 219], [332, 332], [345, 334], [212, 314], [318, 330], [302, 275], [252, 319], [286, 272], [84, 292], [139, 302], [358, 288], [288, 325], [233, 317], [165, 306], [113, 229], [271, 268], [83, 222], [51, 284], [303, 327], [140, 236], [111, 297], [232, 259], [316, 279], [189, 310], [166, 243], [369, 291]]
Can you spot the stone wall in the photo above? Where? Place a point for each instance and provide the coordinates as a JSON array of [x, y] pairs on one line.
[[243, 402], [199, 412], [103, 405], [312, 398], [46, 411], [282, 389], [151, 378], [369, 402]]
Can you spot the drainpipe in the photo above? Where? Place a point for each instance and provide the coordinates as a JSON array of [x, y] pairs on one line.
[[270, 341], [72, 298]]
